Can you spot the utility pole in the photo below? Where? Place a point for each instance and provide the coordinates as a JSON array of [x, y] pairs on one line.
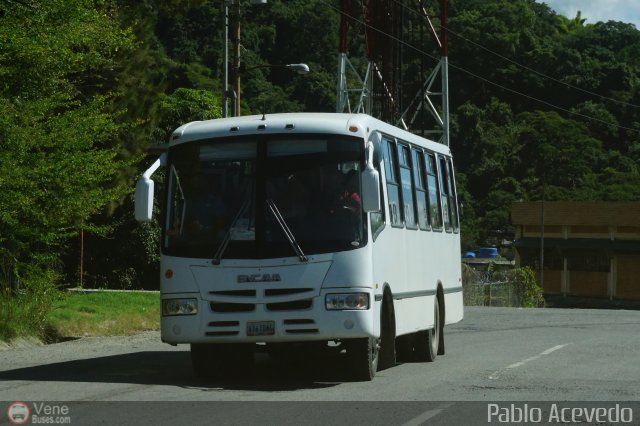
[[542, 231], [225, 71], [236, 56], [236, 16], [444, 52]]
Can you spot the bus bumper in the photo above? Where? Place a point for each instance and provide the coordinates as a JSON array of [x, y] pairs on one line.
[[264, 322]]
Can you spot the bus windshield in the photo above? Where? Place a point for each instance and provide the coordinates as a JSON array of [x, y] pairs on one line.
[[261, 196]]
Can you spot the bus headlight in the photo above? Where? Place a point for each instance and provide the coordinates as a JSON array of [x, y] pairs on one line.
[[347, 301], [179, 307]]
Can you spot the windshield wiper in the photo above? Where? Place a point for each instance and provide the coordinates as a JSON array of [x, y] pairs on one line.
[[286, 230], [227, 236], [184, 201]]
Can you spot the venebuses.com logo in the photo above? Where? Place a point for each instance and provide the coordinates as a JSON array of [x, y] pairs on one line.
[[18, 413]]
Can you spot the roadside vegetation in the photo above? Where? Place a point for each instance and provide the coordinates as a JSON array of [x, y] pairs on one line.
[[77, 314], [26, 312], [57, 316], [517, 287]]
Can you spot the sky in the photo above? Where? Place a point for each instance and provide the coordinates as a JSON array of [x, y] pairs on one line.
[[598, 10]]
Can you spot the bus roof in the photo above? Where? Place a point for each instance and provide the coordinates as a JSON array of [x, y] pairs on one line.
[[334, 123]]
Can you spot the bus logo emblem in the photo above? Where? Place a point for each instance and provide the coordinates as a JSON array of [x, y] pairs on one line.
[[258, 278]]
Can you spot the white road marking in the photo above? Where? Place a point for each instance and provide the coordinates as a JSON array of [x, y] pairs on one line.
[[495, 375], [429, 414]]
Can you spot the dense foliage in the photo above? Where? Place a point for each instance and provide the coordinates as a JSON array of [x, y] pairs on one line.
[[57, 133], [542, 106]]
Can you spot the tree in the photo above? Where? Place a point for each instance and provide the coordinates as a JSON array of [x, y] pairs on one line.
[[108, 262], [560, 154], [58, 139]]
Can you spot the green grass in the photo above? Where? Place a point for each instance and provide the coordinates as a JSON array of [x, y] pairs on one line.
[[21, 316], [104, 314]]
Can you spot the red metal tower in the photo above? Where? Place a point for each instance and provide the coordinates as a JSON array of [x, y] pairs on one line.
[[379, 85]]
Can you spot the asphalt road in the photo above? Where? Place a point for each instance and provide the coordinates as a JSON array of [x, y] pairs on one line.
[[495, 355]]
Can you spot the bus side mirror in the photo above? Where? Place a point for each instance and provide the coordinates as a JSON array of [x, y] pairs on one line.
[[144, 191], [144, 199], [370, 189]]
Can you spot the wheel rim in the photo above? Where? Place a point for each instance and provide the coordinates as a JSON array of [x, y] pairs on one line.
[[375, 350], [435, 333]]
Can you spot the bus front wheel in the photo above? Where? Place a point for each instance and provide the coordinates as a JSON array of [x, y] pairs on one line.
[[387, 353], [363, 357]]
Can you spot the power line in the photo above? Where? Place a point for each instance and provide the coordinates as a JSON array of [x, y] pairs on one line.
[[524, 66], [544, 102], [544, 75], [422, 52]]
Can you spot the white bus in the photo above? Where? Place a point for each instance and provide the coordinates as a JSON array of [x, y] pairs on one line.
[[306, 228]]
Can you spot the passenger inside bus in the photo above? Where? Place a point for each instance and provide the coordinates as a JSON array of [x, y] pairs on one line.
[[350, 197], [205, 211], [341, 217]]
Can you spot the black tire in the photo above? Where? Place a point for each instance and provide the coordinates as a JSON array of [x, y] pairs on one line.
[[404, 348], [221, 359], [387, 356], [441, 341], [427, 342], [363, 357], [201, 359]]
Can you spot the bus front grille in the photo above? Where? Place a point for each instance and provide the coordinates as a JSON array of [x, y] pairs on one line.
[[239, 293], [232, 307], [298, 321], [302, 331], [294, 305], [289, 326], [299, 326], [222, 333], [223, 328], [285, 291]]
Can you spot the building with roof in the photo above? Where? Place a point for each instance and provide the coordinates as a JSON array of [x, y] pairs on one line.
[[586, 249]]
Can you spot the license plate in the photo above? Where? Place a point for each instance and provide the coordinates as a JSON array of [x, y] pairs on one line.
[[261, 328]]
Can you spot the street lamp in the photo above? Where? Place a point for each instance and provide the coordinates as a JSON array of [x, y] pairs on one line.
[[298, 68]]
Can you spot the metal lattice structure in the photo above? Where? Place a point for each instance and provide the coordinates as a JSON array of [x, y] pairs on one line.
[[379, 86]]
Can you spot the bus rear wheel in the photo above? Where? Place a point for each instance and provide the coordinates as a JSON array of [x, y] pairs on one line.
[[428, 341], [363, 357]]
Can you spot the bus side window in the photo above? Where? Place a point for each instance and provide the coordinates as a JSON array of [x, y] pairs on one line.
[[409, 206], [453, 203], [444, 179], [420, 189], [393, 187], [435, 210]]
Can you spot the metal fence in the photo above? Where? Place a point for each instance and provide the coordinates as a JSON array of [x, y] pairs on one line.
[[491, 288]]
